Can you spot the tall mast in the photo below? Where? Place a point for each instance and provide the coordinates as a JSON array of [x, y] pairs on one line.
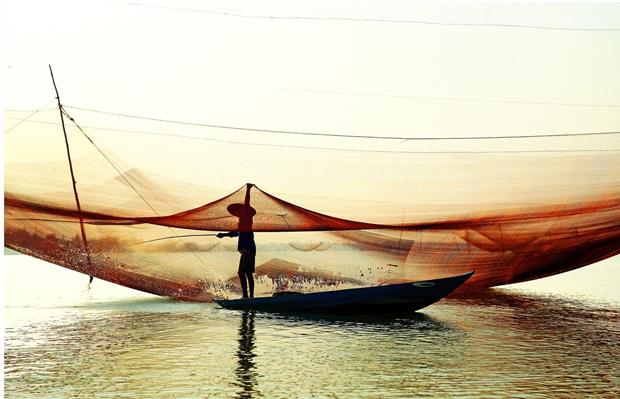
[[73, 181]]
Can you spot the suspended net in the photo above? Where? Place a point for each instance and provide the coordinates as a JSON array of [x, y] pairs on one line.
[[327, 212]]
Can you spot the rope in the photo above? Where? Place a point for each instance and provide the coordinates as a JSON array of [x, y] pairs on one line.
[[346, 135], [29, 116], [109, 160], [402, 96], [381, 20], [159, 134], [181, 236], [121, 174]]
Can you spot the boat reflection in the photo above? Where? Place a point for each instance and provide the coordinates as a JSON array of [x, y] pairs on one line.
[[161, 348]]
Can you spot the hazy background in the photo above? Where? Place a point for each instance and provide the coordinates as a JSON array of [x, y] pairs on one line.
[[389, 68], [195, 62]]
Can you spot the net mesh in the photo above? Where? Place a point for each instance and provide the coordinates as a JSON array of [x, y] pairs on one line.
[[356, 214]]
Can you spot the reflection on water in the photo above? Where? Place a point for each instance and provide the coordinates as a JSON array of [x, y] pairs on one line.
[[246, 373], [496, 343]]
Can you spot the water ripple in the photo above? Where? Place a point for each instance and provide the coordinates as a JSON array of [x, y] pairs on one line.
[[495, 344]]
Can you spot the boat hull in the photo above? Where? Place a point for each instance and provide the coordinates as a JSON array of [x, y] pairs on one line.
[[386, 298]]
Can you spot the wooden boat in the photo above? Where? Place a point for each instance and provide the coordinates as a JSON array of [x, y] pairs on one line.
[[384, 298]]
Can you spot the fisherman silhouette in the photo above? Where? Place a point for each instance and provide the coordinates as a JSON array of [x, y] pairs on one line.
[[246, 245]]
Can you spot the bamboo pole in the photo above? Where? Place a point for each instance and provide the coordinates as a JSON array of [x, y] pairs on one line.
[[73, 181]]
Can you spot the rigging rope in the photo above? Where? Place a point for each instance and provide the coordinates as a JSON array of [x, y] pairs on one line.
[[346, 135], [29, 116], [169, 237], [120, 173], [402, 96], [302, 147], [382, 20], [108, 160]]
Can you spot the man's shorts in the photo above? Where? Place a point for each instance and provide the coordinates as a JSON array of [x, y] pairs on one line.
[[247, 261]]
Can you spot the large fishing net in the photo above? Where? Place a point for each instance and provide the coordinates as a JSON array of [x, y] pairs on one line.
[[328, 212]]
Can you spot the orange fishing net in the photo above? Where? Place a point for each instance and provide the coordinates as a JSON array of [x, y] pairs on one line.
[[343, 217]]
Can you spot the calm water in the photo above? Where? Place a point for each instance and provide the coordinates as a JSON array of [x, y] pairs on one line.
[[554, 338]]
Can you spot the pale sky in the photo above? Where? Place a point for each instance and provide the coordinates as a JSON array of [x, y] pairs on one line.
[[351, 72]]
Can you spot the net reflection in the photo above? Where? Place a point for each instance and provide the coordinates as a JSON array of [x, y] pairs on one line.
[[502, 343], [532, 308], [246, 369]]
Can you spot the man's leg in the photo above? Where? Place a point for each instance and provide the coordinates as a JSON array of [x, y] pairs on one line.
[[244, 284], [250, 277]]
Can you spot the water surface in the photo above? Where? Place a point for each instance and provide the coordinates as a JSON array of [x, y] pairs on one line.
[[62, 340]]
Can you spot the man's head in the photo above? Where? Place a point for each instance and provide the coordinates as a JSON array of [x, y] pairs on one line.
[[245, 213]]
